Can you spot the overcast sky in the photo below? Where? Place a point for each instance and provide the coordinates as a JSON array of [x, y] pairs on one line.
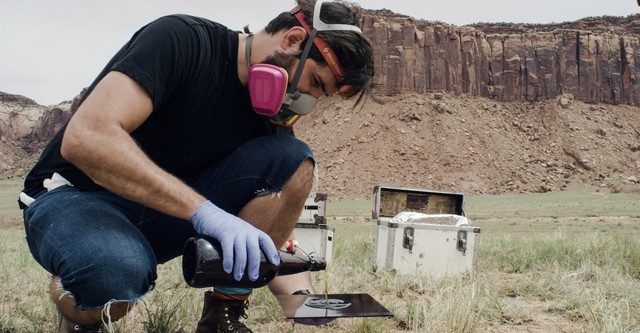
[[51, 49]]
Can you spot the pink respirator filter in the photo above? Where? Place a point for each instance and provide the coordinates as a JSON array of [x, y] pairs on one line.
[[267, 87]]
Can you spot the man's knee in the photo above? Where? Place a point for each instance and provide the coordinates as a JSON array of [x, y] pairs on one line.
[[110, 311], [301, 181], [120, 274]]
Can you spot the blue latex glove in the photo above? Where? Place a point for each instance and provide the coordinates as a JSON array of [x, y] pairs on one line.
[[240, 241]]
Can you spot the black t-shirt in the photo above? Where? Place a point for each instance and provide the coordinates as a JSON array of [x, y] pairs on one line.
[[201, 111]]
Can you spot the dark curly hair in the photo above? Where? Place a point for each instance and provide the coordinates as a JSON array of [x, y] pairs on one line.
[[353, 49]]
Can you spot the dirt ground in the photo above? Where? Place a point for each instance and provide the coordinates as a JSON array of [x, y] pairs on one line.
[[472, 145], [440, 141]]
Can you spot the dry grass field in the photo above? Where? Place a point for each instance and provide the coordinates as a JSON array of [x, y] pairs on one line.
[[553, 262]]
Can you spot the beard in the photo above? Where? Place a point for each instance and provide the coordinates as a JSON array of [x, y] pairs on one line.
[[280, 59]]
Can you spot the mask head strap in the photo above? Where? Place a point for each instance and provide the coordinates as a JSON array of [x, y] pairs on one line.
[[303, 58], [247, 50]]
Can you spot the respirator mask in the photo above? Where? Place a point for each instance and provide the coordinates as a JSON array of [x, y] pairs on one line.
[[272, 95]]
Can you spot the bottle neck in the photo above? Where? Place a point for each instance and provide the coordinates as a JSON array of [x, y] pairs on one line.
[[296, 263]]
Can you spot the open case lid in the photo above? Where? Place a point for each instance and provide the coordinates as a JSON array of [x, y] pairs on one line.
[[390, 201], [331, 306]]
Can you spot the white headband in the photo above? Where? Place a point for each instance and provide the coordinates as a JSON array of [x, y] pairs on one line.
[[321, 26]]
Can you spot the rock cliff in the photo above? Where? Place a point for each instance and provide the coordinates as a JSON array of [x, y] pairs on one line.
[[594, 59], [18, 115], [25, 127]]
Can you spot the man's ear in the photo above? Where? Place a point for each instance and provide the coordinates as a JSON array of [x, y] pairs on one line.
[[292, 39]]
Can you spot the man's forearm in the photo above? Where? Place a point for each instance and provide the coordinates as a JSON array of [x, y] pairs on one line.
[[114, 161]]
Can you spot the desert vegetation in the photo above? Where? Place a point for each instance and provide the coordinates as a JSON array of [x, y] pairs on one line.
[[553, 262]]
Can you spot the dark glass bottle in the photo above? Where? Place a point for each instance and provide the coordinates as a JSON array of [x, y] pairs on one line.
[[202, 266]]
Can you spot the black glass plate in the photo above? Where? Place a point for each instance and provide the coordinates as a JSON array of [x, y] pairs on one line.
[[331, 306]]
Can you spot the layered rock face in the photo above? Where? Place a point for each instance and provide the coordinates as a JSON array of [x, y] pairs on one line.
[[18, 115], [595, 60], [23, 119], [25, 127]]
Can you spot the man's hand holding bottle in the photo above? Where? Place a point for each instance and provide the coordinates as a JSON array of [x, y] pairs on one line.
[[241, 242]]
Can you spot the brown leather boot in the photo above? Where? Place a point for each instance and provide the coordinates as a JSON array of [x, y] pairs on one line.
[[222, 316], [67, 326]]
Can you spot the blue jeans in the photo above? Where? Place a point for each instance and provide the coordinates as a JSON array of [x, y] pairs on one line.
[[106, 248]]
